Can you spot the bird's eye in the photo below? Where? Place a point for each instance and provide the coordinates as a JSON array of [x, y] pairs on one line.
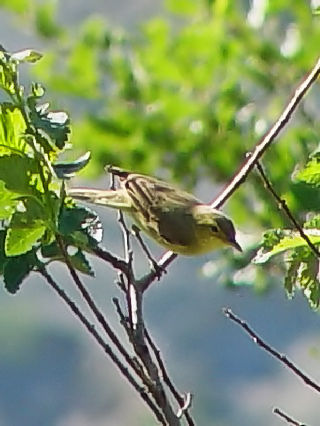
[[214, 228]]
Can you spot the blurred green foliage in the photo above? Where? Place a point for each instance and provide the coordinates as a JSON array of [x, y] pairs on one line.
[[187, 94]]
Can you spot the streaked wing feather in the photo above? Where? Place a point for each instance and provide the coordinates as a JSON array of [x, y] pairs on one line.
[[164, 208]]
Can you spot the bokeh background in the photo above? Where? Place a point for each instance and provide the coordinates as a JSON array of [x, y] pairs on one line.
[[183, 90]]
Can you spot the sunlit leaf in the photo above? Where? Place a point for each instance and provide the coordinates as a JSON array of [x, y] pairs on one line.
[[27, 55], [311, 173], [289, 242], [12, 129]]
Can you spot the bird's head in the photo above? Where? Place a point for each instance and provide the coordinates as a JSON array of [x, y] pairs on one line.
[[216, 223]]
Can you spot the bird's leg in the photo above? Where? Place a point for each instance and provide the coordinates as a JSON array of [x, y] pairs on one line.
[[159, 270]]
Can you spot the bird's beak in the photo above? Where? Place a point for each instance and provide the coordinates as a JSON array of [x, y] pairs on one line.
[[236, 245]]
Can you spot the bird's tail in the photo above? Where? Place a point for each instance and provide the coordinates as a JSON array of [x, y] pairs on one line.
[[116, 199]]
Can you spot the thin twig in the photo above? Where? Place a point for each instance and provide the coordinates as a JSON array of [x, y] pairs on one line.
[[180, 399], [148, 279], [107, 349], [134, 305], [116, 262], [287, 418], [267, 139], [128, 254], [97, 313], [159, 270], [282, 204], [281, 357]]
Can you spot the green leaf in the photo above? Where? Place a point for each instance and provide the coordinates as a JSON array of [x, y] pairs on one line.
[[80, 227], [8, 73], [26, 228], [291, 241], [21, 239], [17, 268], [51, 251], [80, 262], [17, 173], [311, 173], [12, 129], [27, 55], [56, 125], [8, 202]]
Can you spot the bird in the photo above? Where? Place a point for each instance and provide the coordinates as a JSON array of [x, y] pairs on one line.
[[172, 217]]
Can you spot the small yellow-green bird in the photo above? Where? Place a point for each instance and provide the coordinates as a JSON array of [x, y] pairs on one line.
[[174, 218]]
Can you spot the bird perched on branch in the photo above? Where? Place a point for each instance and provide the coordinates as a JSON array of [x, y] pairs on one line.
[[174, 218]]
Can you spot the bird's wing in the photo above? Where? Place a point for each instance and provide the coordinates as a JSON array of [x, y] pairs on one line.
[[164, 209], [152, 193]]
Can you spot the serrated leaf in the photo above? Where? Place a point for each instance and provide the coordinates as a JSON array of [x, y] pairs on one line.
[[8, 73], [20, 240], [311, 173], [12, 129], [27, 55], [16, 172], [17, 268], [80, 262], [26, 228], [80, 226], [8, 202], [289, 242], [56, 125], [65, 170]]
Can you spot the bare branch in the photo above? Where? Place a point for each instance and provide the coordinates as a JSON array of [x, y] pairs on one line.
[[97, 313], [116, 262], [288, 419], [136, 334], [183, 401], [282, 204], [281, 357], [107, 349], [268, 138]]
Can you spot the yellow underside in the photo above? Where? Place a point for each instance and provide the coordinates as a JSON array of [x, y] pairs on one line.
[[204, 242]]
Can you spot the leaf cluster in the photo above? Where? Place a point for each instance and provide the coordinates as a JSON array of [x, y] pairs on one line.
[[33, 206]]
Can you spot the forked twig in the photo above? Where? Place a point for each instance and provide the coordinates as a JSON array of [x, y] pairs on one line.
[[184, 402], [260, 342], [107, 349]]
